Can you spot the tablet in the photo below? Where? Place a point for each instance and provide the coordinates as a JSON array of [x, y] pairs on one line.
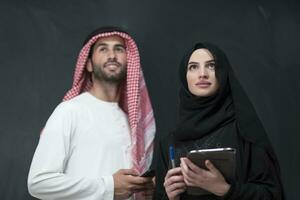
[[222, 158]]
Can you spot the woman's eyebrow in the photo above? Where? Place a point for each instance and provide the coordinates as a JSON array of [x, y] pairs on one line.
[[210, 61], [192, 62]]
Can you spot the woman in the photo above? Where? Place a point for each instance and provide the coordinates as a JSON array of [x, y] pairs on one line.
[[215, 112]]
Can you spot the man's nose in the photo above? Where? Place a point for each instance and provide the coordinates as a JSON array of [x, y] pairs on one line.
[[111, 54]]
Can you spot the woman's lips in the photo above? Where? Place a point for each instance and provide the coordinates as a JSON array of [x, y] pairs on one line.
[[203, 84]]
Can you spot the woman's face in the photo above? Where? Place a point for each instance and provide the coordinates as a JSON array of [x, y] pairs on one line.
[[200, 74]]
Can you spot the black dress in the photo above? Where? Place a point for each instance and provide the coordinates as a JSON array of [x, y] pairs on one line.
[[226, 119]]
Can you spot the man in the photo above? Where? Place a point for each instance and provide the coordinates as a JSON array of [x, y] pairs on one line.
[[97, 142]]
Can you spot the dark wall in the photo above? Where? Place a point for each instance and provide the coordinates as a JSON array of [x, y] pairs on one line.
[[40, 41]]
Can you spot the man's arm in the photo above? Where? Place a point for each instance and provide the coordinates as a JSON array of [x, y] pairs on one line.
[[47, 179]]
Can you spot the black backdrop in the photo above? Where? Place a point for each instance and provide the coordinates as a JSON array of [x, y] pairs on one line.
[[40, 41]]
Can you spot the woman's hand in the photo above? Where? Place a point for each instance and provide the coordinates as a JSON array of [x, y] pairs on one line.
[[174, 183], [211, 180]]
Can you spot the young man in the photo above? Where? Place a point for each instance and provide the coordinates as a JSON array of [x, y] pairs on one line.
[[97, 142]]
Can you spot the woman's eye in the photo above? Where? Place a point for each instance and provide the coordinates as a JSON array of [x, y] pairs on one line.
[[211, 66], [193, 67]]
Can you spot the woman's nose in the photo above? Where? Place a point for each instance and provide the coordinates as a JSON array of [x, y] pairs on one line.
[[203, 72]]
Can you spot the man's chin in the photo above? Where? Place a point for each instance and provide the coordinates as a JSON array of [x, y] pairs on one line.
[[110, 76], [114, 78]]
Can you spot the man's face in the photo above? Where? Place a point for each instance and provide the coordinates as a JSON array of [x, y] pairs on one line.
[[200, 75], [109, 59]]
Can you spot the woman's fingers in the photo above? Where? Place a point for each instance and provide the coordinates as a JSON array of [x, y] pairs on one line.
[[173, 179], [211, 167], [172, 172], [175, 189], [175, 193], [175, 186], [190, 169], [174, 183], [192, 166]]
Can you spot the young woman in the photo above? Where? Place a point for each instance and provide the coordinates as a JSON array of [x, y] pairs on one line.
[[214, 113]]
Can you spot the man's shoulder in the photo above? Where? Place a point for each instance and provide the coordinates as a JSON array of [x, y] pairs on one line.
[[73, 105]]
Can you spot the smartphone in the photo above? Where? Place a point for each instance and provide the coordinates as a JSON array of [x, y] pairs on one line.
[[148, 173]]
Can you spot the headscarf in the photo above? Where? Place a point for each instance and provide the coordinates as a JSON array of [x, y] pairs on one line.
[[200, 116], [134, 98]]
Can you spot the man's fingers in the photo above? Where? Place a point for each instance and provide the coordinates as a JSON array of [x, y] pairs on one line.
[[136, 188], [136, 180], [129, 172], [147, 194]]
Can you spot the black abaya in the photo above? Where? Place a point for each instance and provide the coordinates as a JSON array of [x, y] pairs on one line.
[[226, 119]]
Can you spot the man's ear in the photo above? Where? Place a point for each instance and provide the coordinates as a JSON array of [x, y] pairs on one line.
[[89, 65]]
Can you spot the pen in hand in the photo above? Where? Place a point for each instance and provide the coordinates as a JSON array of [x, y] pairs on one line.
[[172, 156]]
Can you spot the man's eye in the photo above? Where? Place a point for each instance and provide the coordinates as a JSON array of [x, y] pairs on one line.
[[120, 49], [102, 49]]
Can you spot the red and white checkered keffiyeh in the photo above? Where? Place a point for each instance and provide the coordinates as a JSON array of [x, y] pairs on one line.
[[134, 99]]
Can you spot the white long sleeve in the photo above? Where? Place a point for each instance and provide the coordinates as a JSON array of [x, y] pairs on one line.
[[83, 143]]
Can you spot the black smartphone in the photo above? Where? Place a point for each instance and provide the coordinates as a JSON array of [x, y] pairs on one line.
[[148, 173]]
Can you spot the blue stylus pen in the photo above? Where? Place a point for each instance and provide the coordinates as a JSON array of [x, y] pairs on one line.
[[172, 156]]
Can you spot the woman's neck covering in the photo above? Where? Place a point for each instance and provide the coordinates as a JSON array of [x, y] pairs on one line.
[[134, 98]]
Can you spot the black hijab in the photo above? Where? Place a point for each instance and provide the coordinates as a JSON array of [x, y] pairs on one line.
[[200, 116]]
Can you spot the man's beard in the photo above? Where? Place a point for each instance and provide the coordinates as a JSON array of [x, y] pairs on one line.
[[101, 75]]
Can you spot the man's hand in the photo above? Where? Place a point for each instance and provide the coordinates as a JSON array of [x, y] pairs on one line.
[[147, 194], [127, 182], [174, 183], [211, 180]]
